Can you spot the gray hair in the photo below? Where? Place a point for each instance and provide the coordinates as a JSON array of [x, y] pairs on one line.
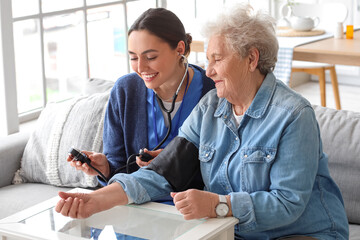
[[243, 29]]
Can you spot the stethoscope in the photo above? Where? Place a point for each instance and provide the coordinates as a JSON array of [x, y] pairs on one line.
[[143, 155], [169, 111]]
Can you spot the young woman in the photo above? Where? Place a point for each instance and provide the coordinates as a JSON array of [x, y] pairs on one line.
[[135, 119]]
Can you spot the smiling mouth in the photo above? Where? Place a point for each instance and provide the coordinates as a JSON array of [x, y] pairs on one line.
[[149, 77]]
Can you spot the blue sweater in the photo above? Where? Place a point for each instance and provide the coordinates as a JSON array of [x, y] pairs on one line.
[[125, 125]]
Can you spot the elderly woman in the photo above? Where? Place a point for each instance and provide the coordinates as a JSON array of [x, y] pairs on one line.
[[258, 143]]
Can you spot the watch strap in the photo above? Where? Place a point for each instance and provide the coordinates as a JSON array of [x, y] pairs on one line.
[[222, 199]]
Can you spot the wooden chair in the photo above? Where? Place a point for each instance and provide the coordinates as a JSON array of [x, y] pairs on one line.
[[319, 69]]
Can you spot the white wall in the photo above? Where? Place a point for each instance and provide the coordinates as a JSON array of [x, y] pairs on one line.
[[3, 125], [9, 121]]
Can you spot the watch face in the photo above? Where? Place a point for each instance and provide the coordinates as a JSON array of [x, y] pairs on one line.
[[222, 210]]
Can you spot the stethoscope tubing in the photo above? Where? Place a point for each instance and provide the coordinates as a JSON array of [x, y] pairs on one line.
[[169, 111], [176, 93]]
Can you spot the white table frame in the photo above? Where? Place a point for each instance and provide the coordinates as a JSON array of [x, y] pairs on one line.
[[10, 228]]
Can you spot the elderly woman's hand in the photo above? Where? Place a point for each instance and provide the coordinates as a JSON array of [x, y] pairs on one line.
[[83, 205], [195, 204], [77, 205]]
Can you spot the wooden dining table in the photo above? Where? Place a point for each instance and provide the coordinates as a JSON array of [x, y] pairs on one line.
[[331, 50]]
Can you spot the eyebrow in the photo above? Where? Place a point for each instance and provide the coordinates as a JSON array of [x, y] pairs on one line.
[[145, 52]]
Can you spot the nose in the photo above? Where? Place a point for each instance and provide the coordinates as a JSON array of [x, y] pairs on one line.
[[141, 65], [210, 71]]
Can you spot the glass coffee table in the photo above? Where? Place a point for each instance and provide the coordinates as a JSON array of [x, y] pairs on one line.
[[137, 222]]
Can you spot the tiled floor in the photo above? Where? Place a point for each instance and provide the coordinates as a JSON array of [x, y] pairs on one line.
[[349, 95]]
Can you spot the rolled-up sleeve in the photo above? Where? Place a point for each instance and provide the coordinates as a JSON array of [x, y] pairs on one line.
[[143, 185], [243, 209]]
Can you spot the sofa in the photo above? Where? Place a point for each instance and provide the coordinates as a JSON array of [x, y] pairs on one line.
[[340, 131], [33, 166]]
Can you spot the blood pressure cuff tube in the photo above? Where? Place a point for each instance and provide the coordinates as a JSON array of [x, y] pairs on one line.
[[178, 163]]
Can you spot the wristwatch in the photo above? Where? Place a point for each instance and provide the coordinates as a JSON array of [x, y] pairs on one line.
[[222, 209]]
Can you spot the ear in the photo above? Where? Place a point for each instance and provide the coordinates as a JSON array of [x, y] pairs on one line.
[[180, 49], [253, 59]]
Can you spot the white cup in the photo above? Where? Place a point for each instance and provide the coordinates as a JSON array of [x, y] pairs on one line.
[[339, 30]]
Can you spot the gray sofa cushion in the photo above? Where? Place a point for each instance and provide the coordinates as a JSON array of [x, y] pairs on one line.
[[11, 150], [340, 132], [75, 123], [354, 232], [15, 198]]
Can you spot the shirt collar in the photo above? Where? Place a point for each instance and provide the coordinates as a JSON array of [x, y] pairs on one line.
[[259, 104]]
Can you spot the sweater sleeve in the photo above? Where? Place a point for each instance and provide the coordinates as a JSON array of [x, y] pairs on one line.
[[125, 130], [113, 135]]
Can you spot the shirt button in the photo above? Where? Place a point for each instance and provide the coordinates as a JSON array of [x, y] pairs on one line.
[[207, 155], [245, 156], [268, 156], [236, 138], [225, 116]]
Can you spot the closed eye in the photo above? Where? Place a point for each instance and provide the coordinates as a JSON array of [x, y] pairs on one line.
[[151, 58]]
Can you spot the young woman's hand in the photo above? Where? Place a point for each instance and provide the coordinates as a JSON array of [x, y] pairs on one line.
[[98, 160], [141, 163]]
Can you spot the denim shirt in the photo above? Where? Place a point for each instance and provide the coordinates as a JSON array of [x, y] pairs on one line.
[[272, 165]]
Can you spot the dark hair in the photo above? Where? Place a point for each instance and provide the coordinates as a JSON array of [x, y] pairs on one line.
[[165, 25]]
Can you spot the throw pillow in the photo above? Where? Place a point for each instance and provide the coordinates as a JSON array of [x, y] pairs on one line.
[[75, 123], [96, 85]]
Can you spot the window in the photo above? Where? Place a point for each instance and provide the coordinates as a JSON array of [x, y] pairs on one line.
[[58, 44], [28, 64]]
